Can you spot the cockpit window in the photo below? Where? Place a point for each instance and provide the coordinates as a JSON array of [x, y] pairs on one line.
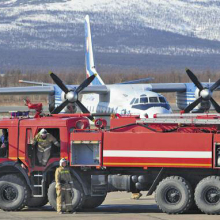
[[153, 99], [162, 99], [132, 101], [136, 101], [144, 100]]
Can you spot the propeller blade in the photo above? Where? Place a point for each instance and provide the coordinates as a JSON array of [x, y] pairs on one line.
[[194, 79], [215, 85], [58, 81], [84, 109], [215, 104], [193, 105], [85, 83], [59, 108]]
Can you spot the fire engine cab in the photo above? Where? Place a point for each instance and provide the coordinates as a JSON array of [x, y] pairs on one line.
[[176, 156]]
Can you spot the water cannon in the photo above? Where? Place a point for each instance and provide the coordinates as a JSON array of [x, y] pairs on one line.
[[37, 107]]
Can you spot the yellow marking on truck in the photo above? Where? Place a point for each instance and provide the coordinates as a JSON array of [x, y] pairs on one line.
[[94, 142], [13, 158], [77, 142], [159, 164]]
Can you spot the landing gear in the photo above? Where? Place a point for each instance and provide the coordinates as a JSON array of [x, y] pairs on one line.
[[174, 195], [207, 195]]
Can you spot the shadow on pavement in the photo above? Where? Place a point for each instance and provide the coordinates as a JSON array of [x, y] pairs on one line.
[[113, 209]]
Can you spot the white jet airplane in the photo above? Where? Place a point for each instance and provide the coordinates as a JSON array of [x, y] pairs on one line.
[[125, 98]]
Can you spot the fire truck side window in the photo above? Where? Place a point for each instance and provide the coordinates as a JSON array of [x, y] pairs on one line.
[[3, 142], [29, 136], [29, 142]]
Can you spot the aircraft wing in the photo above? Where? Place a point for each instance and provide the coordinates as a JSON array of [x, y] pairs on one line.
[[27, 90], [167, 87], [95, 89], [49, 90], [175, 87], [35, 83], [138, 81]]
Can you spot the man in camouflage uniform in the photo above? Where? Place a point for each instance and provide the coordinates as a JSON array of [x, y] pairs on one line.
[[44, 141], [64, 186]]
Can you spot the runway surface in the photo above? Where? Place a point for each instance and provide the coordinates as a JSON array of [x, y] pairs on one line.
[[117, 205]]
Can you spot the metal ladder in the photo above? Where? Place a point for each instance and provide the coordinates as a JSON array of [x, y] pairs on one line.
[[38, 184], [202, 119]]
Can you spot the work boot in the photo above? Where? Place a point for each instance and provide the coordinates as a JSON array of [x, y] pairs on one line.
[[60, 213], [136, 196]]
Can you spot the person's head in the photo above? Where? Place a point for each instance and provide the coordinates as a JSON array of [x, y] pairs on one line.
[[4, 132], [43, 133], [63, 162]]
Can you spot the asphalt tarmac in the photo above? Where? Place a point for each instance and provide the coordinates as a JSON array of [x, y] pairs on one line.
[[117, 205]]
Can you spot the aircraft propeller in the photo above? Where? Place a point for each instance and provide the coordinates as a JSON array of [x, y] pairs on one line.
[[71, 96], [205, 93]]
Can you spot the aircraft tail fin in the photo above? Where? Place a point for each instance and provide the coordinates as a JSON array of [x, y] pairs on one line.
[[90, 65]]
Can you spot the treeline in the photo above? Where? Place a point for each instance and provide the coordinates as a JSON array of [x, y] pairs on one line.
[[11, 79]]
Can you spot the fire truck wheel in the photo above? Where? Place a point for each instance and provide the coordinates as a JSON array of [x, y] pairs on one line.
[[92, 202], [37, 202], [77, 192], [174, 195], [13, 193], [207, 195]]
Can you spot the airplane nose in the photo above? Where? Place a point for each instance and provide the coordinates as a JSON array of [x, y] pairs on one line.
[[156, 110]]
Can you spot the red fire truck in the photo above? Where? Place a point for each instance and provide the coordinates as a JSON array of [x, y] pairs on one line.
[[175, 156]]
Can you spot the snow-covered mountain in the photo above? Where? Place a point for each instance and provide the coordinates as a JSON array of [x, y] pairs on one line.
[[157, 34]]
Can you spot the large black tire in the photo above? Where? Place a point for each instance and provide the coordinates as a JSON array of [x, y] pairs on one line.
[[35, 202], [13, 193], [78, 196], [174, 195], [207, 195], [92, 202]]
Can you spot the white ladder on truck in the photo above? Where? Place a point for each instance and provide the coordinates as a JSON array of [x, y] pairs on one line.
[[38, 184], [212, 119]]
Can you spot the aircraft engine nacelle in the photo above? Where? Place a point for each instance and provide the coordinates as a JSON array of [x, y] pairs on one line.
[[204, 105], [71, 107], [183, 99]]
